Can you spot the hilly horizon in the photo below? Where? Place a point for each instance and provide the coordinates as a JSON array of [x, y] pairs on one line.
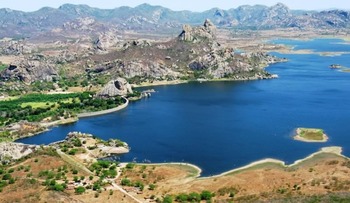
[[146, 18], [176, 10]]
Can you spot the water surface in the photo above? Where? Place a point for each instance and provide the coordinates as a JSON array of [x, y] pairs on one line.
[[223, 125]]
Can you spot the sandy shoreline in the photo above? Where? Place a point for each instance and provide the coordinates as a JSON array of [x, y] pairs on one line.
[[199, 170], [331, 150], [159, 83], [98, 113], [177, 82]]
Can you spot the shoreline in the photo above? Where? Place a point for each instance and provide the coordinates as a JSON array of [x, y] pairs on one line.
[[107, 111], [52, 124], [160, 83], [335, 150], [178, 82]]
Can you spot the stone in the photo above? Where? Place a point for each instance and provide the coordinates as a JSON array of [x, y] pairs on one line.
[[118, 87]]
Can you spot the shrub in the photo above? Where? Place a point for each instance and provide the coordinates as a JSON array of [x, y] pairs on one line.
[[126, 182], [59, 187], [11, 180], [7, 176], [167, 199], [152, 187], [130, 165], [79, 190], [206, 195]]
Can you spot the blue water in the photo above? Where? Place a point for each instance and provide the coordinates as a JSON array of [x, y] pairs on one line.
[[222, 125], [317, 45]]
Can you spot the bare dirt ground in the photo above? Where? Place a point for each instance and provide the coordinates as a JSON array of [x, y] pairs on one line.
[[325, 173]]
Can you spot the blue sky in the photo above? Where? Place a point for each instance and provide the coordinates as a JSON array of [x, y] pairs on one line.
[[194, 5]]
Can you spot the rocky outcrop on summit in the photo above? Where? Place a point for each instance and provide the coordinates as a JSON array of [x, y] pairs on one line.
[[118, 87], [208, 30], [105, 41], [140, 61]]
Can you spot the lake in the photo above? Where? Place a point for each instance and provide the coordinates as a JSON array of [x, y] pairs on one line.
[[219, 126]]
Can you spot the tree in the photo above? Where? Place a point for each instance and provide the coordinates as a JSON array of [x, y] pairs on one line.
[[182, 198], [206, 195], [167, 199], [152, 187], [59, 187], [194, 197], [79, 190], [126, 182]]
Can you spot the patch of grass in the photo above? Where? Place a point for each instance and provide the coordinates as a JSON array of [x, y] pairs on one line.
[[36, 105], [311, 133]]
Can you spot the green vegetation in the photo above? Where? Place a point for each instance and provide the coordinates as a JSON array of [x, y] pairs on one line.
[[104, 169], [128, 182], [79, 190], [5, 136], [191, 197], [2, 66], [130, 166], [311, 134], [36, 107]]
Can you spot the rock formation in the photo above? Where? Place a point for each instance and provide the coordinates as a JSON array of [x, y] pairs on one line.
[[12, 151], [105, 41], [118, 87], [208, 30], [31, 69]]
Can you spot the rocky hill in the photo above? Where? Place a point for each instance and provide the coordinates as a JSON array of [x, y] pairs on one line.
[[194, 54], [145, 17]]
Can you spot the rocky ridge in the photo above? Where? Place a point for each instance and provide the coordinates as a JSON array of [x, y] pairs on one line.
[[194, 54], [84, 19]]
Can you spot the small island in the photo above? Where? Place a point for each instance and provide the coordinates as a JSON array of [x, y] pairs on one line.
[[310, 135]]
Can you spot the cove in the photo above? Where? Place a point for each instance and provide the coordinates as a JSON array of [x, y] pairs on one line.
[[219, 126]]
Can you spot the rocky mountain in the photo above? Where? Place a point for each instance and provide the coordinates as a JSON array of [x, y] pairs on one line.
[[194, 54], [147, 18]]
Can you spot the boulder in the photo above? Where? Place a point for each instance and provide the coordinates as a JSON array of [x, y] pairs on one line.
[[118, 87]]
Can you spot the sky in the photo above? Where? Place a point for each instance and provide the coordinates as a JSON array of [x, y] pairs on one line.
[[193, 5]]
